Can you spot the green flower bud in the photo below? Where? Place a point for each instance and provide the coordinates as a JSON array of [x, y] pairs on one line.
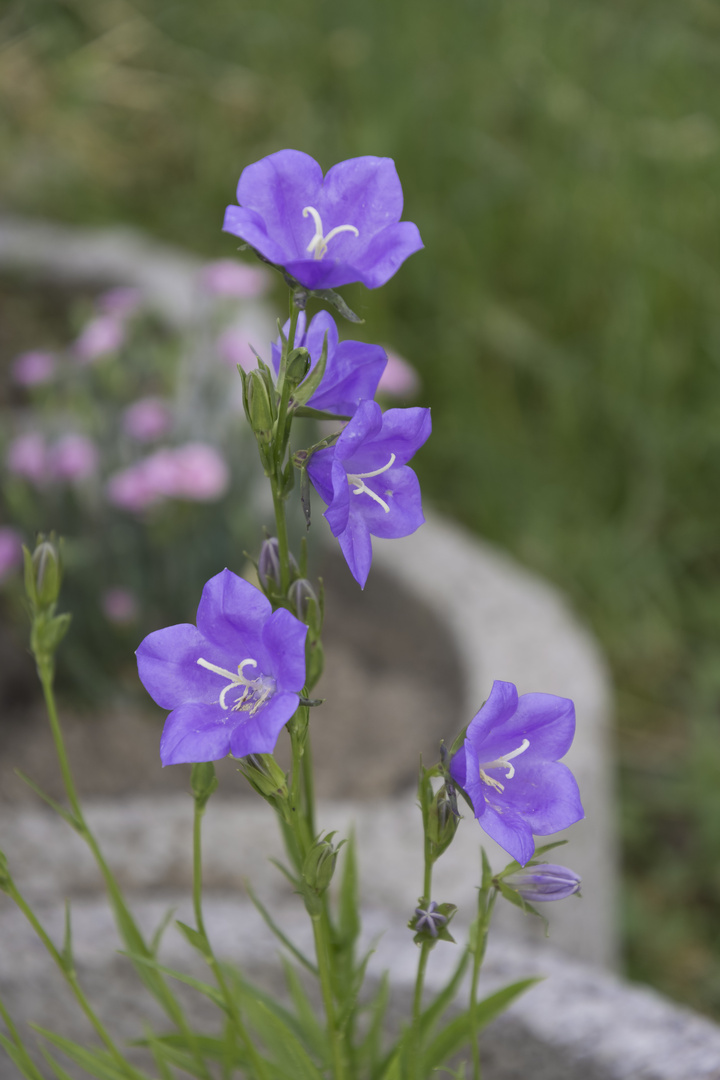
[[259, 407], [43, 572], [442, 823], [265, 776], [318, 870], [203, 782], [298, 365]]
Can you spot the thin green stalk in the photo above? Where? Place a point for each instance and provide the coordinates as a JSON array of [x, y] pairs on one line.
[[416, 1033], [71, 979], [483, 927], [46, 681], [230, 1003], [335, 1037]]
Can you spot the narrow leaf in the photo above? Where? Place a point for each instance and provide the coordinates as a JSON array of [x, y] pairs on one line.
[[63, 813], [269, 921], [97, 1062], [314, 1033], [334, 299], [194, 938]]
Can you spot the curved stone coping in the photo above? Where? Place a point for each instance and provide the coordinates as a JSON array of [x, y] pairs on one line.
[[579, 1022]]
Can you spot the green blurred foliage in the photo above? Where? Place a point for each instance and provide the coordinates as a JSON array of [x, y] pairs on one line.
[[562, 159]]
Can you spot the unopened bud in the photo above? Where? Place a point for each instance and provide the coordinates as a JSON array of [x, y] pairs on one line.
[[319, 865], [203, 782], [538, 884], [265, 775], [443, 821], [43, 572], [298, 365], [259, 409], [269, 572], [301, 596]]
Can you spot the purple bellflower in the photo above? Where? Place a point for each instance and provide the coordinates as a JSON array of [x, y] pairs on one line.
[[327, 231], [544, 882], [363, 478], [508, 766], [232, 681], [352, 371]]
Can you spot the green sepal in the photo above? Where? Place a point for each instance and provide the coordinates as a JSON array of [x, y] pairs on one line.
[[305, 390], [334, 299], [305, 412], [424, 937], [515, 898]]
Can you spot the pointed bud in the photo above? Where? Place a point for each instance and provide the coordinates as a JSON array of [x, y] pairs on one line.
[[298, 365], [203, 782], [443, 819], [265, 776], [259, 408], [43, 572], [318, 870], [302, 596], [269, 572], [543, 882]]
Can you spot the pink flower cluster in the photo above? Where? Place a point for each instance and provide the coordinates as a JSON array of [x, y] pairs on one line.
[[71, 459], [105, 333], [147, 419], [33, 368], [194, 471], [225, 277]]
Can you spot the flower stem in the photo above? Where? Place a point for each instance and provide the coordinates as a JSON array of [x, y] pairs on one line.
[[481, 936], [213, 964], [416, 1033]]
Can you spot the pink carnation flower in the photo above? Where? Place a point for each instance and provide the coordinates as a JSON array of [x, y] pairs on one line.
[[101, 336], [74, 458], [27, 457], [399, 379], [225, 277], [147, 419], [33, 368], [194, 471], [10, 551]]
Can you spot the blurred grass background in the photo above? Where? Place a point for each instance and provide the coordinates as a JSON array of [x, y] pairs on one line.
[[562, 160]]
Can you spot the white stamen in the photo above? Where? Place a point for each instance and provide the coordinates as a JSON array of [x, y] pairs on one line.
[[248, 685], [319, 244], [361, 488], [502, 763]]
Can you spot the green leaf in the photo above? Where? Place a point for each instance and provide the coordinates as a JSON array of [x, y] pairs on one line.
[[202, 988], [157, 936], [302, 393], [432, 1014], [348, 922], [459, 1031], [98, 1063], [313, 1030], [19, 1057], [334, 299], [392, 1070], [306, 963], [370, 1049], [287, 1049], [176, 1050], [195, 938], [67, 952], [62, 1074], [305, 412], [63, 813], [487, 874]]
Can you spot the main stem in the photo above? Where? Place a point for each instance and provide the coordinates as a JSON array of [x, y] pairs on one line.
[[483, 927]]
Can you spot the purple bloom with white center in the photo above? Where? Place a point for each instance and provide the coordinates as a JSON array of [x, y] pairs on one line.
[[232, 682], [547, 881], [364, 479], [325, 231], [353, 368], [430, 919], [509, 768]]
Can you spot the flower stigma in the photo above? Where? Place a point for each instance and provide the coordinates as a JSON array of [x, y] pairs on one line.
[[502, 763], [255, 692], [319, 244], [361, 488]]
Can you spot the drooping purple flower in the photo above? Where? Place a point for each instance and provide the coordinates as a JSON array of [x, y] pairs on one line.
[[325, 231], [364, 479], [232, 681], [548, 881], [509, 767], [352, 371]]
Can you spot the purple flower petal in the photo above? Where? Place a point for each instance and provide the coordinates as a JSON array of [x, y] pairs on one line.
[[284, 637], [508, 767], [167, 665], [229, 603], [194, 733], [258, 734]]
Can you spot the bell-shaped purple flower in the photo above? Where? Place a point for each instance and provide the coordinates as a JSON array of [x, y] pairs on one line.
[[364, 479], [325, 231], [548, 881], [232, 681], [352, 370], [508, 766]]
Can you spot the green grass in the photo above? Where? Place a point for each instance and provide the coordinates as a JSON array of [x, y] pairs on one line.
[[562, 159]]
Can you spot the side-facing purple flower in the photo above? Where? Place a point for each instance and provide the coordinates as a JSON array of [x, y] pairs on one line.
[[232, 681], [508, 766], [548, 881], [353, 368], [364, 479], [325, 231]]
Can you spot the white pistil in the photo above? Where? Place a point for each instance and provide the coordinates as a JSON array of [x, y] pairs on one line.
[[319, 244], [361, 488], [250, 686], [502, 763]]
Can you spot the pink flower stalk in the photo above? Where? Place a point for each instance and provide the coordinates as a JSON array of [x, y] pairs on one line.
[[33, 368], [101, 336], [120, 302], [27, 457], [194, 471], [147, 419], [399, 379], [74, 458], [10, 551], [119, 606], [225, 277]]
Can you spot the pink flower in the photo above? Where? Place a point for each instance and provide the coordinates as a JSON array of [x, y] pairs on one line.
[[102, 335], [33, 368], [225, 277], [10, 551], [119, 606], [74, 458], [194, 471], [120, 302], [399, 379], [147, 419], [201, 473], [234, 349], [27, 457]]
